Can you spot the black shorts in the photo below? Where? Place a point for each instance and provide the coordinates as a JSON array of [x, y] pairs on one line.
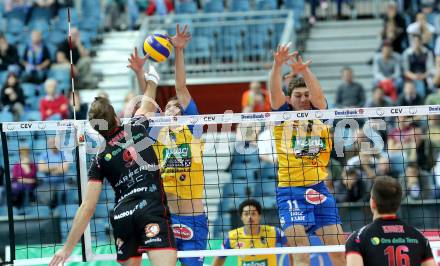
[[141, 225]]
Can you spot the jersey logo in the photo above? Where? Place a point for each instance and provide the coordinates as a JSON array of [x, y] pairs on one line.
[[393, 229], [314, 197], [240, 244], [152, 230], [129, 156], [375, 241], [177, 157], [182, 231], [255, 263], [309, 146]]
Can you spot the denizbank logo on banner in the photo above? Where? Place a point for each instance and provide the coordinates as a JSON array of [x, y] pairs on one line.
[[434, 109], [350, 113]]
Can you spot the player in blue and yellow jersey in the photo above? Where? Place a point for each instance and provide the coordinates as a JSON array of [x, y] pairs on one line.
[[253, 235], [303, 147], [179, 150]]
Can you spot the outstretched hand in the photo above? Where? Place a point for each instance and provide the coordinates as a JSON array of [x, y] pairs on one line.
[[297, 64], [281, 56], [136, 62], [59, 258], [181, 39]]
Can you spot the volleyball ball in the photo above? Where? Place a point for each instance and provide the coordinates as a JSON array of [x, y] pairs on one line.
[[158, 47]]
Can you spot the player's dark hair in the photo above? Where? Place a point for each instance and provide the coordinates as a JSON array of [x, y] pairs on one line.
[[249, 202], [296, 83], [387, 193], [102, 109]]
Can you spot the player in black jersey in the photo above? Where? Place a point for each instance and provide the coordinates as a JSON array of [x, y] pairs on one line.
[[141, 220], [387, 241]]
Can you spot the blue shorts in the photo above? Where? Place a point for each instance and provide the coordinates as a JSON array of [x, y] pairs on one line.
[[191, 233], [313, 207]]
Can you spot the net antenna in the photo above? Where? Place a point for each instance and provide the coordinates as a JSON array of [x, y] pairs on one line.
[[72, 67]]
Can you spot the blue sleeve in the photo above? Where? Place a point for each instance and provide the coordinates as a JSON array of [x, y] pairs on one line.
[[226, 245], [281, 238], [191, 109], [284, 107]]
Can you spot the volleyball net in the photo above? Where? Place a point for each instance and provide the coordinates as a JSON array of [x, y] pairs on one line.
[[239, 161]]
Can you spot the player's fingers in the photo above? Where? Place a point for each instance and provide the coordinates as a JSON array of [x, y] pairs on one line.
[[135, 51], [186, 29], [177, 29], [308, 62], [294, 54]]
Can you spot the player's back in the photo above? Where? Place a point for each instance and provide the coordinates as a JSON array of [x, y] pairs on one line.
[[389, 242], [129, 162]]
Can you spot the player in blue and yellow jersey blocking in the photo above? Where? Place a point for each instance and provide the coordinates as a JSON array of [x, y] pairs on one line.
[[179, 150], [303, 147]]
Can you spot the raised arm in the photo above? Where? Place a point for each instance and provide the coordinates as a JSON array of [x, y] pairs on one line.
[[82, 218], [180, 40], [277, 97], [147, 83], [317, 97]]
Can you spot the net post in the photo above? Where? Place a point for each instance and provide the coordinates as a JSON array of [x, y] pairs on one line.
[[81, 174], [8, 194]]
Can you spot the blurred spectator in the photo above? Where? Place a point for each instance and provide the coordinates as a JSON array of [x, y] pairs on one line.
[[437, 178], [364, 163], [36, 59], [125, 107], [401, 137], [349, 93], [383, 168], [24, 179], [81, 61], [12, 96], [11, 4], [434, 134], [417, 62], [427, 8], [420, 150], [335, 172], [434, 75], [387, 70], [351, 188], [53, 164], [378, 99], [434, 97], [81, 109], [160, 7], [423, 28], [46, 7], [124, 14], [267, 153], [54, 106], [8, 54], [409, 96], [394, 28], [417, 183], [255, 99]]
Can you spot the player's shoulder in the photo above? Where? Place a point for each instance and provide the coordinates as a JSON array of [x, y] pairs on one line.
[[364, 231], [413, 231], [268, 229], [237, 232]]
